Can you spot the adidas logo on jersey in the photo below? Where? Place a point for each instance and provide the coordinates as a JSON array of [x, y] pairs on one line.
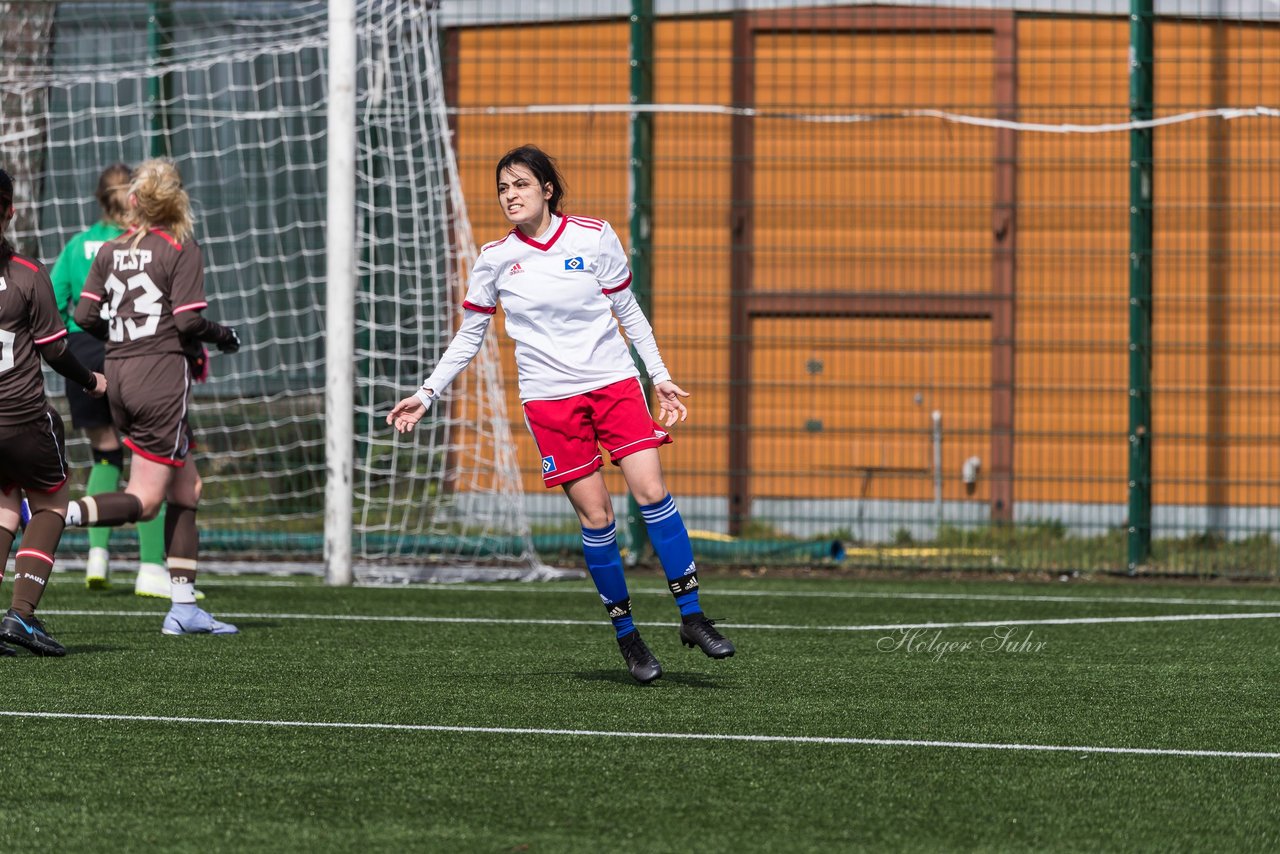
[[516, 268]]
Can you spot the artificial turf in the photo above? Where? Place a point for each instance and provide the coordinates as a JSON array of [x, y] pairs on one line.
[[805, 668]]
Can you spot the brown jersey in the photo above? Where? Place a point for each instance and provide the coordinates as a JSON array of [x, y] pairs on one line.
[[141, 287], [28, 318]]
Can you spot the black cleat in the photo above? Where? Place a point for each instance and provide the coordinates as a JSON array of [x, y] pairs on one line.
[[30, 633], [640, 661], [697, 630]]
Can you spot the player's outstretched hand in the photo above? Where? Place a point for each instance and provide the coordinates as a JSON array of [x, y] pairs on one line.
[[670, 407], [99, 387], [407, 414], [229, 342]]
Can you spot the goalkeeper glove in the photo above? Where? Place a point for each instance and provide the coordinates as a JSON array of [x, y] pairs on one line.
[[230, 341], [197, 359]]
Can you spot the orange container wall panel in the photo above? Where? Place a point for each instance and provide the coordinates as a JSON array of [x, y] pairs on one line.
[[1070, 64], [1050, 472], [691, 248], [892, 205], [875, 69], [1072, 200], [578, 59], [1181, 463], [1050, 414], [1214, 202], [1072, 267], [693, 62], [855, 396]]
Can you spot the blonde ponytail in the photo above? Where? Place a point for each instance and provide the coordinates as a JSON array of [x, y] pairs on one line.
[[161, 202]]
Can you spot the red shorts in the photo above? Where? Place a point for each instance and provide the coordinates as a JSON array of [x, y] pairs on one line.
[[570, 431]]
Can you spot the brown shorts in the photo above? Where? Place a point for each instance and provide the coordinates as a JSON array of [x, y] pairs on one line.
[[87, 411], [149, 397], [33, 456]]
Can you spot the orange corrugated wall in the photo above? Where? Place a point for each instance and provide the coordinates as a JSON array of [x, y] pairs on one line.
[[1072, 279]]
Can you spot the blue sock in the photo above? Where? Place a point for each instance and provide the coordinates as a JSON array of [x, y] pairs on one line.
[[670, 540], [604, 562]]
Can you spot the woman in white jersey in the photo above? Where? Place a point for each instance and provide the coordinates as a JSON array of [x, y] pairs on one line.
[[563, 283]]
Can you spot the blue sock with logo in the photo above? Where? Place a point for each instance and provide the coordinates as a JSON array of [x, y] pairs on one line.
[[670, 540], [604, 562]]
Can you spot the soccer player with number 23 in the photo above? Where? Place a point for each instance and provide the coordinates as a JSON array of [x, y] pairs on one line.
[[563, 284], [144, 297]]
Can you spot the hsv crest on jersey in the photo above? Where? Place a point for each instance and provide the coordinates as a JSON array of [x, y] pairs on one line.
[[574, 265]]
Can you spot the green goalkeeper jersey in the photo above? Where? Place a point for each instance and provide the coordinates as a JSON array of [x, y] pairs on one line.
[[72, 267]]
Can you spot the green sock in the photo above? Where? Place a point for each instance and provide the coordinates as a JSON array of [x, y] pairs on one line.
[[103, 477], [151, 539]]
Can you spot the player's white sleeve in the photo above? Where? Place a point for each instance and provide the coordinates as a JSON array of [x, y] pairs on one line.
[[614, 277], [611, 267], [477, 311], [639, 333], [461, 350]]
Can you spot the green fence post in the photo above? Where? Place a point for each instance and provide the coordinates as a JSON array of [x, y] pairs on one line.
[[1141, 177], [641, 208]]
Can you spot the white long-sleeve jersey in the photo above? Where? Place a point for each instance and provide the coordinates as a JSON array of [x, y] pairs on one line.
[[563, 296]]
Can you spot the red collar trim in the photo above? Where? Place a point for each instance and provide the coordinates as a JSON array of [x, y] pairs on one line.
[[169, 238], [543, 246]]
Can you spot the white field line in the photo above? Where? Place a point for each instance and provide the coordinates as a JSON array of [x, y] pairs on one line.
[[531, 587], [677, 736], [857, 594], [124, 580], [383, 618]]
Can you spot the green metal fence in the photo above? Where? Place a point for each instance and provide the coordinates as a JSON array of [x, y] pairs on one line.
[[953, 286]]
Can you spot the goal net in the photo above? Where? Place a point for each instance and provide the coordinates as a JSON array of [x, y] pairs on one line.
[[235, 92]]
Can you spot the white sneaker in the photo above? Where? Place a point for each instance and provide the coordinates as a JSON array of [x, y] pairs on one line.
[[97, 571], [190, 620], [153, 581]]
